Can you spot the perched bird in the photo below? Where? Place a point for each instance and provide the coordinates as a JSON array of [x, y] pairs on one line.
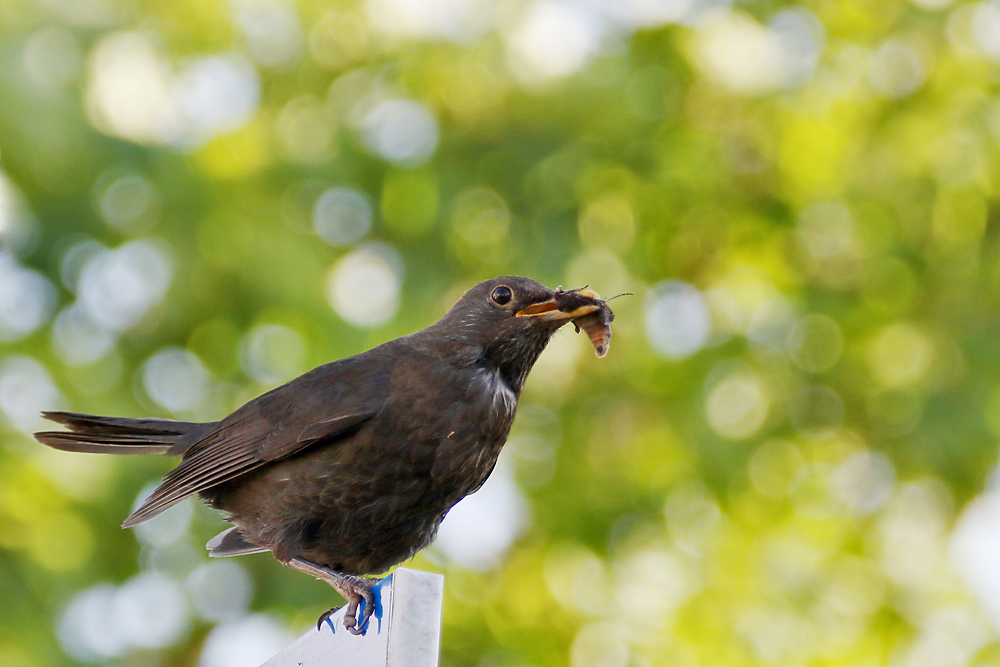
[[350, 468]]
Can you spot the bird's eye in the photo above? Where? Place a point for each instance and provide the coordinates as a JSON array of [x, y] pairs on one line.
[[502, 295]]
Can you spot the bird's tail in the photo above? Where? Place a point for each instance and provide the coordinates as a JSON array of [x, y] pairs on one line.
[[121, 435]]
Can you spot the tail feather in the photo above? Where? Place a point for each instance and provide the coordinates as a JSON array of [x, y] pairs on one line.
[[232, 543], [98, 444], [121, 435]]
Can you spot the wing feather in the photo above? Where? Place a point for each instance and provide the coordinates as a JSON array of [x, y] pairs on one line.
[[328, 402], [174, 490]]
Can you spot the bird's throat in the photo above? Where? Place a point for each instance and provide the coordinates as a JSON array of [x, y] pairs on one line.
[[513, 358]]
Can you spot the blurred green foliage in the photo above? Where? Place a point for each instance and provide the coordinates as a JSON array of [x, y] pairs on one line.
[[781, 461]]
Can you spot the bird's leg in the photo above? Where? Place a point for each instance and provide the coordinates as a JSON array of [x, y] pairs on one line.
[[354, 589]]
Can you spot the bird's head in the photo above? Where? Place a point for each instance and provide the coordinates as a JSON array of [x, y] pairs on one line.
[[506, 322]]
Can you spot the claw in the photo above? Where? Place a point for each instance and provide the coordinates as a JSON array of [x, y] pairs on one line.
[[325, 618], [351, 615], [367, 608]]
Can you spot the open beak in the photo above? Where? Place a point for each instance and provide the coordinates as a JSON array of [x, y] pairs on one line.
[[569, 306]]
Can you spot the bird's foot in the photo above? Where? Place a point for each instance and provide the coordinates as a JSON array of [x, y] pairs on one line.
[[358, 591], [361, 600]]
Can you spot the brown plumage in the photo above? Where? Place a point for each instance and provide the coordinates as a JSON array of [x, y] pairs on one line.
[[349, 469]]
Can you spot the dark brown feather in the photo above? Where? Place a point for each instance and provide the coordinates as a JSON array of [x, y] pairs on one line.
[[354, 464]]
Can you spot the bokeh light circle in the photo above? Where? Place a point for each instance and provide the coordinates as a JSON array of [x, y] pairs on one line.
[[364, 286], [677, 319]]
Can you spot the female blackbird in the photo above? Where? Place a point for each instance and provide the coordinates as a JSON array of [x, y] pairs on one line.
[[349, 469]]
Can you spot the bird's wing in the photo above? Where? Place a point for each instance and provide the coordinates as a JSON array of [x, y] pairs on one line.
[[326, 403]]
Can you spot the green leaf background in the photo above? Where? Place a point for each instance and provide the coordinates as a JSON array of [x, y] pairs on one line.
[[786, 457]]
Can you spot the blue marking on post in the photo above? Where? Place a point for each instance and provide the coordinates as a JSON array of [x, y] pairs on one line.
[[377, 589], [361, 612], [377, 612]]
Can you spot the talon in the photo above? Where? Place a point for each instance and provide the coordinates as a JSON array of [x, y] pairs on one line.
[[325, 618], [367, 608], [365, 604], [351, 615]]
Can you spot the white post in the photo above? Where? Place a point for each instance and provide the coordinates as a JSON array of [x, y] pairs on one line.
[[409, 636]]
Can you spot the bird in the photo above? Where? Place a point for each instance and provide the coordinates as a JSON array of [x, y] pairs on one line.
[[349, 469]]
